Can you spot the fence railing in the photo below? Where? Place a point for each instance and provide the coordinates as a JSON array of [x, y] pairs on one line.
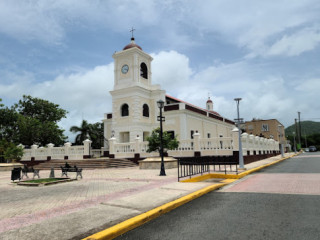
[[216, 146], [50, 152], [188, 167]]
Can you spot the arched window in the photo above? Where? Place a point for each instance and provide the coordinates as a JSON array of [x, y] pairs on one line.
[[143, 70], [145, 111], [125, 110]]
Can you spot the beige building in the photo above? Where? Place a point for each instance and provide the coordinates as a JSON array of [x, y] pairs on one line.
[[134, 104], [270, 128]]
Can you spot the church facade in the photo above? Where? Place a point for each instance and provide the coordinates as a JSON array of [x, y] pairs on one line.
[[134, 104]]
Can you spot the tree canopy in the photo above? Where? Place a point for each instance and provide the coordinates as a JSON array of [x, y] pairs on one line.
[[32, 121], [169, 142]]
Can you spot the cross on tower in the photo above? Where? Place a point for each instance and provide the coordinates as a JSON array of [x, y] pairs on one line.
[[132, 29]]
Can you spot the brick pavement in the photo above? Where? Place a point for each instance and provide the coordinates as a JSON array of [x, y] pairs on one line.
[[101, 199]]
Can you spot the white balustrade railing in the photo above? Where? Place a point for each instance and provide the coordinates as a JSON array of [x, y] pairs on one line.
[[76, 150], [58, 151], [185, 145], [216, 143], [124, 147], [252, 143], [51, 152]]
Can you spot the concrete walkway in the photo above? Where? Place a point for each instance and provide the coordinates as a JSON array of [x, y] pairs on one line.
[[77, 209]]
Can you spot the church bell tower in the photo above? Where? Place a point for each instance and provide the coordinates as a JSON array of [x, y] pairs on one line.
[[132, 67], [134, 98]]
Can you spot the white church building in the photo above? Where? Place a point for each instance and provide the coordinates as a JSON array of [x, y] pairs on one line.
[[200, 131], [135, 111]]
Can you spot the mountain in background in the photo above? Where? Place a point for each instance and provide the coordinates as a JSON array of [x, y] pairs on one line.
[[307, 128]]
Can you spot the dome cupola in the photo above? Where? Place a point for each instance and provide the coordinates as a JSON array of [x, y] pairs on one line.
[[132, 44], [209, 104]]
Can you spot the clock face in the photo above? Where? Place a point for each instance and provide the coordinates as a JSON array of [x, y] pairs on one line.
[[125, 69]]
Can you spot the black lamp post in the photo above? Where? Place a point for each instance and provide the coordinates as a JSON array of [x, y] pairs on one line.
[[160, 118]]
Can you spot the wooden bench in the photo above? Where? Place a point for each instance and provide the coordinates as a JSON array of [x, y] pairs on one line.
[[67, 169], [25, 170]]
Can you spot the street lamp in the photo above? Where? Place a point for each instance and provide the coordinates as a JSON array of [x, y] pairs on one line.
[[238, 121], [160, 104], [280, 139]]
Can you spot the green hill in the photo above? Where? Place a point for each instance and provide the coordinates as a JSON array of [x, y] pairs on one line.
[[307, 128]]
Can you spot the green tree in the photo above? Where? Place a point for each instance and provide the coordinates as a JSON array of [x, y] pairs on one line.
[[8, 124], [40, 109], [9, 152], [32, 120], [169, 142], [87, 130], [96, 135]]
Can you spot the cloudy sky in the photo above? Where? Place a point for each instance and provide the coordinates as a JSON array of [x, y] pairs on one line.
[[266, 52]]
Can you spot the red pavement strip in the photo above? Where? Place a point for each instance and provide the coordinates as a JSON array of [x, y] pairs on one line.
[[28, 219], [282, 183]]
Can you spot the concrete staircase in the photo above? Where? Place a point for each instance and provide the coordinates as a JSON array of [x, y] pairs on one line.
[[87, 163]]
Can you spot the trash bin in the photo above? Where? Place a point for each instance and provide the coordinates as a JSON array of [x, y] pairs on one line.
[[16, 174]]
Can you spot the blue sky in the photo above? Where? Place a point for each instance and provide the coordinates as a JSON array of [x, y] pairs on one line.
[[267, 52]]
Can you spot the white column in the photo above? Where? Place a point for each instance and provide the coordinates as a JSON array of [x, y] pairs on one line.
[[112, 141], [49, 151], [137, 144], [196, 145], [235, 139], [33, 150], [67, 145], [87, 146]]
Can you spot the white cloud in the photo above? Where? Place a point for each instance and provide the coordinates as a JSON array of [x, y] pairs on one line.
[[171, 70], [296, 43], [27, 20], [253, 25]]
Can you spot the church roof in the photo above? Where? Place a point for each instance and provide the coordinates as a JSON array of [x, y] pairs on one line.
[[178, 100], [132, 44]]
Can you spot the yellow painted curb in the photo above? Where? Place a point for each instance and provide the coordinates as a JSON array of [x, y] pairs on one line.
[[123, 227], [198, 178]]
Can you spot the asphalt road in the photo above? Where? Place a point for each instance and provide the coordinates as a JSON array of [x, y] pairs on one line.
[[279, 202]]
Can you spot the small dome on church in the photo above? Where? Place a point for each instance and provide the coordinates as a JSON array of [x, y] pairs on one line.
[[209, 100], [131, 45]]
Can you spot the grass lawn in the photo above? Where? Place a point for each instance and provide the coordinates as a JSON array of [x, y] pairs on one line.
[[44, 180]]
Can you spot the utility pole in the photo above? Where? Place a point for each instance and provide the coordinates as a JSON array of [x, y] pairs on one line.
[[305, 139], [297, 133], [299, 130]]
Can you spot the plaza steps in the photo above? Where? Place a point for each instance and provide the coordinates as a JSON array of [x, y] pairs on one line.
[[87, 163]]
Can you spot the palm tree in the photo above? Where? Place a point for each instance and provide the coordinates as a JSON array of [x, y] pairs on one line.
[[96, 135], [92, 131], [85, 131]]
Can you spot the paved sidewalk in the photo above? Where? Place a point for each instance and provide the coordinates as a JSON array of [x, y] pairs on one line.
[[103, 198]]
